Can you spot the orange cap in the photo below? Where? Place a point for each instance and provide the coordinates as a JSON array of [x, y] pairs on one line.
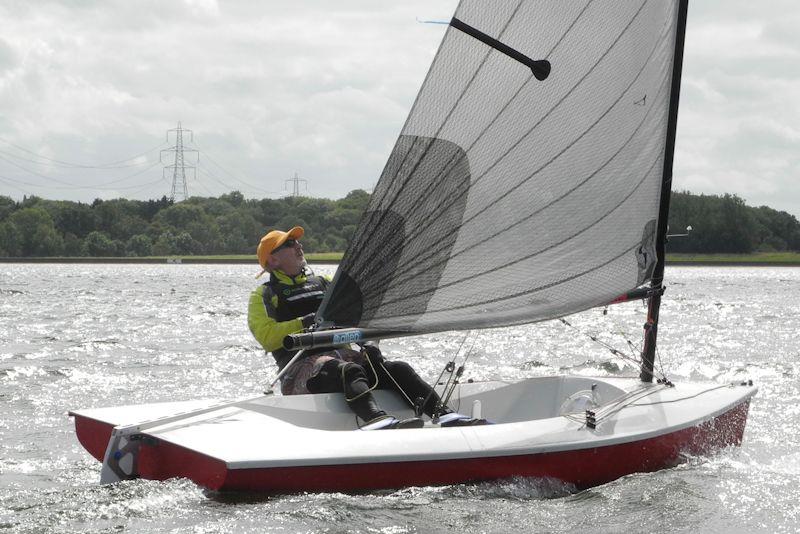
[[273, 240]]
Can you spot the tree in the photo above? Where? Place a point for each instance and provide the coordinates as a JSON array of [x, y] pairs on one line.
[[98, 244], [7, 205], [74, 218], [9, 240], [358, 199], [35, 232], [269, 211], [179, 216], [736, 231], [73, 246], [139, 245], [240, 231], [165, 245], [185, 244], [234, 198]]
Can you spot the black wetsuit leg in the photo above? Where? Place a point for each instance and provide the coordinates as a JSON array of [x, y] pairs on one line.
[[410, 385], [336, 376]]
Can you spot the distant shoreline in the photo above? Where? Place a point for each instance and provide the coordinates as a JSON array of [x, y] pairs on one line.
[[779, 259], [182, 260]]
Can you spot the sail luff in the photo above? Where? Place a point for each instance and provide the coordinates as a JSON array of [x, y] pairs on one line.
[[654, 304]]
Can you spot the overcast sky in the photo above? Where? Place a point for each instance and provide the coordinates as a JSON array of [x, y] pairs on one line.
[[322, 88]]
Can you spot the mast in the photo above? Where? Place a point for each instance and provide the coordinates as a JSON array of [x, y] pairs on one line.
[[654, 304]]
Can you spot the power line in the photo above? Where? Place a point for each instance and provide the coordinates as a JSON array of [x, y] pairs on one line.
[[214, 177], [111, 165], [68, 185], [162, 179], [208, 157], [9, 182]]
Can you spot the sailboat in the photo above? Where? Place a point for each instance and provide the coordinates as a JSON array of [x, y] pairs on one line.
[[530, 181]]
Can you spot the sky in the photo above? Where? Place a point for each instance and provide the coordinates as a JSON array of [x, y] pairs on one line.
[[90, 88]]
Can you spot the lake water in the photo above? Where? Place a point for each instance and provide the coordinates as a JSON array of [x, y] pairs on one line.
[[79, 336]]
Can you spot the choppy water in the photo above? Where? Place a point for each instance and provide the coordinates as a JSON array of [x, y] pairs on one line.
[[77, 336]]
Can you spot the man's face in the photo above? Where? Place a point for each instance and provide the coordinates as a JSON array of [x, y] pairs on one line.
[[288, 258]]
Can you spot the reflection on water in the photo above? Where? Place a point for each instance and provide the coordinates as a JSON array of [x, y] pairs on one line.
[[75, 336]]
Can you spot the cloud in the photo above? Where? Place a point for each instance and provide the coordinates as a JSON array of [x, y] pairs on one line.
[[738, 129], [268, 88], [323, 88]]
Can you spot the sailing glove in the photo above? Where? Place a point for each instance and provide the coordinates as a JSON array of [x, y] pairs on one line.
[[307, 320]]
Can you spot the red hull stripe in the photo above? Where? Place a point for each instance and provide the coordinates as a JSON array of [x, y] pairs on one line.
[[580, 468], [93, 435]]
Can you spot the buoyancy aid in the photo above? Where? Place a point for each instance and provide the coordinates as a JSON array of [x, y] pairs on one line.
[[295, 296]]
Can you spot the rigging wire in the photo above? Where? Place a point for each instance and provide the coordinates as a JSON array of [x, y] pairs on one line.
[[448, 366], [450, 387], [616, 352], [459, 372]]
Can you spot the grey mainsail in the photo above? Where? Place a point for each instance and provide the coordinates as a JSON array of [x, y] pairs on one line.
[[511, 195]]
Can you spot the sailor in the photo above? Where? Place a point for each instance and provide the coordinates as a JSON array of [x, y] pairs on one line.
[[286, 303]]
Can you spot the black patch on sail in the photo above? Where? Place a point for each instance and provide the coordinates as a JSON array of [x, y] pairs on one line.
[[646, 253], [413, 221], [346, 303]]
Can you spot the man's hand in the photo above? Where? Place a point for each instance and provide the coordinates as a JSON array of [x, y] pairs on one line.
[[308, 320], [373, 353]]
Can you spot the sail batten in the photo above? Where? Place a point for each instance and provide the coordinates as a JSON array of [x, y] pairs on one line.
[[508, 199]]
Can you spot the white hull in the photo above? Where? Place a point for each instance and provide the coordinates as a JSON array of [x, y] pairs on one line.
[[311, 442]]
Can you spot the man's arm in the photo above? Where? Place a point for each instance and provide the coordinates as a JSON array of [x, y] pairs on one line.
[[261, 318]]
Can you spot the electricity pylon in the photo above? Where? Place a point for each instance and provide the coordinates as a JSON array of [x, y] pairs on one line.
[[296, 184], [178, 167]]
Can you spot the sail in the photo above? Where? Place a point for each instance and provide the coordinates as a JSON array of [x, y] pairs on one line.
[[525, 184]]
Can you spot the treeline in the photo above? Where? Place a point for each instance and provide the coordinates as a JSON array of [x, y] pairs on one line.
[[232, 224], [725, 224], [229, 224]]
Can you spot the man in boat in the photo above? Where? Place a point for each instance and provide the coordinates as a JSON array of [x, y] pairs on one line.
[[286, 304]]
